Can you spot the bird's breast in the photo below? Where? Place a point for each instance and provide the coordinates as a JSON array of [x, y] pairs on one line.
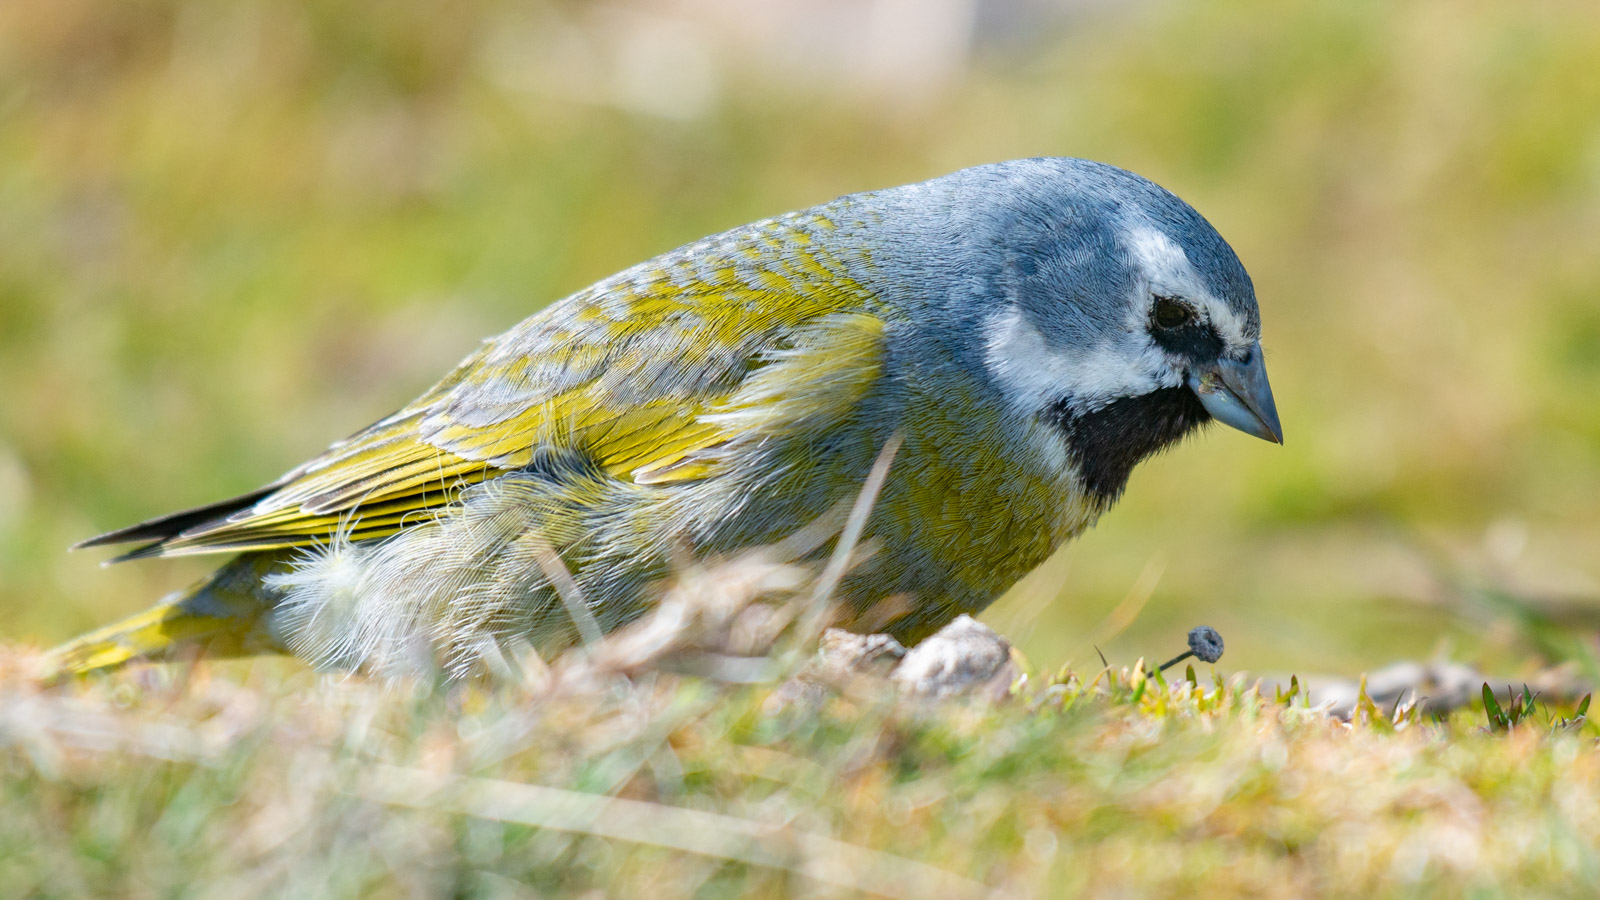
[[979, 502]]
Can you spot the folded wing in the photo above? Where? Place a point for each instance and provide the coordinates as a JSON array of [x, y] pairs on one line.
[[652, 374]]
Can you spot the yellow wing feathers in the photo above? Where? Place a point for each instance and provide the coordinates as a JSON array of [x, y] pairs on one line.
[[619, 373]]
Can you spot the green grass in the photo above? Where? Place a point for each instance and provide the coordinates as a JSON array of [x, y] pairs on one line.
[[253, 781], [673, 758]]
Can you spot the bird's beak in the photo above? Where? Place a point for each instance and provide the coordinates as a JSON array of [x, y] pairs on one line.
[[1236, 393]]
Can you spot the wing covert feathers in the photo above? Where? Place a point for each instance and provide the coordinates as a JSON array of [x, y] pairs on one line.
[[653, 374]]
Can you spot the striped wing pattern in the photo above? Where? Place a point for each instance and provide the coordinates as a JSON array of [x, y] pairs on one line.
[[644, 372]]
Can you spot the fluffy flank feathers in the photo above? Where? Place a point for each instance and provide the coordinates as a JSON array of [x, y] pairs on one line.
[[439, 594]]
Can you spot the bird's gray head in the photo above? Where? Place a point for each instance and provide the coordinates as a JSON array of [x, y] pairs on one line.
[[1118, 315]]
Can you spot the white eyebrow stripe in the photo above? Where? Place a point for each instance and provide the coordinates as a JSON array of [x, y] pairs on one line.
[[1172, 275]]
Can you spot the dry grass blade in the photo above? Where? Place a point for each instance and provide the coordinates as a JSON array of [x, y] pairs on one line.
[[693, 831], [1133, 603], [49, 724], [566, 588], [828, 581]]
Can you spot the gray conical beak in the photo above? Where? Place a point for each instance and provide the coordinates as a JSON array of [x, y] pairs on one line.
[[1236, 393]]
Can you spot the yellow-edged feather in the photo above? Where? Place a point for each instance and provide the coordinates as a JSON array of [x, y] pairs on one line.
[[598, 374]]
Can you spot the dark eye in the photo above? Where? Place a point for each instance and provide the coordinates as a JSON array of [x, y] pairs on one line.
[[1169, 313]]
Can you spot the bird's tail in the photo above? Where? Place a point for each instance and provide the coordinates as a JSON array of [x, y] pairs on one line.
[[224, 614]]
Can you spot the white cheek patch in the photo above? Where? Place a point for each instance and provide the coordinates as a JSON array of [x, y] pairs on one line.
[[1171, 274], [1034, 374]]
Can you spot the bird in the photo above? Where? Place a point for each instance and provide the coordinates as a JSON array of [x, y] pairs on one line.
[[1024, 332]]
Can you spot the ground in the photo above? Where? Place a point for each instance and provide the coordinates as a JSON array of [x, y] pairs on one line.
[[673, 763]]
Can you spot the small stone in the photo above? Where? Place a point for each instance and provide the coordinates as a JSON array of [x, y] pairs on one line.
[[965, 657], [846, 652], [842, 656]]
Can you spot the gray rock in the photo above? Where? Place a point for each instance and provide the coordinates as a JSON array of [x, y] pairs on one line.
[[965, 657]]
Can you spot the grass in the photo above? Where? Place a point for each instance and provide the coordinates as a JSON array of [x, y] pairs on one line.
[[252, 780], [673, 759]]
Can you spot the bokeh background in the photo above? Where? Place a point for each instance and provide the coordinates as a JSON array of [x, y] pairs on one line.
[[231, 232]]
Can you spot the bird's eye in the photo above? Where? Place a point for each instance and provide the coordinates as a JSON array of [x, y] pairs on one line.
[[1169, 313]]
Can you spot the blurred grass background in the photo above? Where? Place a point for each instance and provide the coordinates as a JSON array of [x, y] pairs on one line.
[[232, 232]]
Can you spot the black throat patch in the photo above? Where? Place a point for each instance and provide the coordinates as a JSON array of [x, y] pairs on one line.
[[1107, 443]]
